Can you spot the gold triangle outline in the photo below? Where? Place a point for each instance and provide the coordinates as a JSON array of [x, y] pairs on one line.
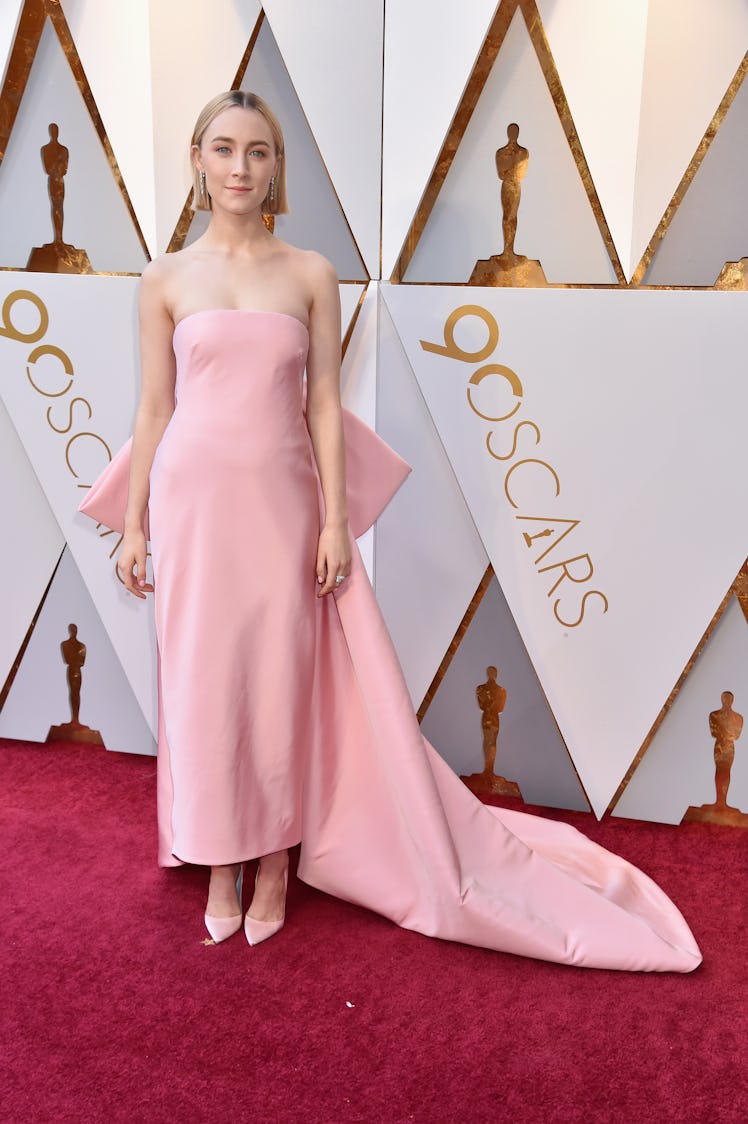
[[552, 77], [10, 678], [32, 22], [460, 634], [454, 644], [687, 179], [184, 222], [482, 67], [20, 61], [738, 589]]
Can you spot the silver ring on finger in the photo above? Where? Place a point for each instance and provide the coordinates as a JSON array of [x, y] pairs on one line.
[[340, 579]]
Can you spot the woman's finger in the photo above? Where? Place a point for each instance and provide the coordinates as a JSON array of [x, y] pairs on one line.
[[126, 567], [140, 568], [334, 570], [130, 579], [328, 575], [321, 568]]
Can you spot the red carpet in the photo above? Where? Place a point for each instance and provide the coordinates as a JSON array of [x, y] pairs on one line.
[[114, 1010]]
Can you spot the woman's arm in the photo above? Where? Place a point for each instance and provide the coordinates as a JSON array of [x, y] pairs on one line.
[[325, 423], [154, 411]]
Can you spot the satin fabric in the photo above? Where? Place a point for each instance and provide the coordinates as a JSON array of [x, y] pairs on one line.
[[285, 718]]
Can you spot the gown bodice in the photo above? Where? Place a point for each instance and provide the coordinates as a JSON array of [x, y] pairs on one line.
[[239, 373]]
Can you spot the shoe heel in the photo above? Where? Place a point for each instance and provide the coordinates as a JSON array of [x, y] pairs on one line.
[[258, 931], [221, 928]]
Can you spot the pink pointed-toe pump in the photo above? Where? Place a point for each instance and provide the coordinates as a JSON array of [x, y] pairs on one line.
[[258, 931], [221, 928]]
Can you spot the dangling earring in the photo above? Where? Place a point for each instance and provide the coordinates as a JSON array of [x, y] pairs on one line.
[[203, 190], [271, 196]]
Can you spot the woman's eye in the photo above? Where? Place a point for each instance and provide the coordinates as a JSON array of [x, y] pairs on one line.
[[222, 148], [257, 152]]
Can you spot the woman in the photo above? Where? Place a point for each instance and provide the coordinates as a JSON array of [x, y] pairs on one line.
[[237, 264], [284, 715]]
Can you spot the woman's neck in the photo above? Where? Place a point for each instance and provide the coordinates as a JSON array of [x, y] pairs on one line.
[[236, 235]]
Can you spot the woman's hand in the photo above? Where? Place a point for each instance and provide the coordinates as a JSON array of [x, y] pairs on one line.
[[131, 564], [333, 557]]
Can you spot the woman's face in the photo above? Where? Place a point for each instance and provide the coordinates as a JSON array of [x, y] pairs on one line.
[[237, 154]]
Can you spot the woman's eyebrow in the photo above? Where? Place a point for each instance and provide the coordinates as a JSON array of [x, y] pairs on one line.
[[231, 140]]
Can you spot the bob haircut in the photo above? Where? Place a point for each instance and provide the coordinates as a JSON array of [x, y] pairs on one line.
[[242, 100]]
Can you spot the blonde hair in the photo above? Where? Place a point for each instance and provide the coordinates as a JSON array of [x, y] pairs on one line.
[[242, 100]]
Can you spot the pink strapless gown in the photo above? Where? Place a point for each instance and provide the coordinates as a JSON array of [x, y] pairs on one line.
[[285, 718]]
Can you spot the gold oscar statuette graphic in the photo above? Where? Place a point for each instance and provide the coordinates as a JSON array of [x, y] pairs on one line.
[[491, 698], [734, 276], [74, 655], [57, 256], [509, 268], [725, 726]]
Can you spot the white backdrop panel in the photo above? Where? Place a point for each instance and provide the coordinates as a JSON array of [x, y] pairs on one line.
[[555, 223], [710, 226], [598, 47], [693, 51], [531, 751], [430, 49], [96, 217], [66, 424], [33, 541], [333, 52], [429, 556], [629, 437], [39, 696], [678, 768]]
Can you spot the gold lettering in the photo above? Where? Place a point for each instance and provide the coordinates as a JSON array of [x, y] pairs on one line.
[[77, 437], [547, 533], [67, 366], [452, 349], [505, 373], [569, 523], [530, 539], [69, 426], [578, 621], [508, 456], [9, 329], [566, 573], [530, 460]]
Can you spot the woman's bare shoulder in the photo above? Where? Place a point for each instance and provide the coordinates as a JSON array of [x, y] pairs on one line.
[[171, 264], [309, 263], [161, 280], [153, 279], [159, 272]]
